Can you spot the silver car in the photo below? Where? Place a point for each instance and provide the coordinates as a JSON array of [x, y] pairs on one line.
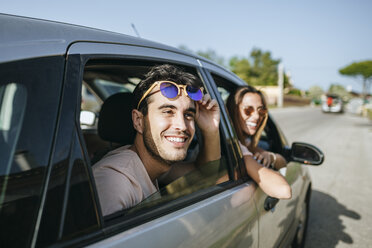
[[51, 74]]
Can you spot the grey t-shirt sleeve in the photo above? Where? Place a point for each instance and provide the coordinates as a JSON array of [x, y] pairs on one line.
[[116, 191], [121, 180]]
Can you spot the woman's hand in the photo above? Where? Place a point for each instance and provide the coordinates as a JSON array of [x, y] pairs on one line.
[[265, 158]]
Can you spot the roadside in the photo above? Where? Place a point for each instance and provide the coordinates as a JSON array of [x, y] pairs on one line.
[[339, 217]]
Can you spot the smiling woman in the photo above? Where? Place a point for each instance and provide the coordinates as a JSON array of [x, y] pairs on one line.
[[248, 110]]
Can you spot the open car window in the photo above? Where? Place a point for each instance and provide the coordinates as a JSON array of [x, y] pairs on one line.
[[104, 78]]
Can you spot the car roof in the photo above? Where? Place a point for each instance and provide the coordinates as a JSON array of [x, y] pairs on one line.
[[25, 37]]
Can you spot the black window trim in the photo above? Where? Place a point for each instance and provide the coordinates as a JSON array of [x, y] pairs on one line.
[[235, 145]]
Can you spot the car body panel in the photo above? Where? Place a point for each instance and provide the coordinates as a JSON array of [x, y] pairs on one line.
[[128, 52], [210, 223], [24, 37]]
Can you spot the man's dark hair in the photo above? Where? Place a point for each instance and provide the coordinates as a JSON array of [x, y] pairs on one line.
[[164, 72]]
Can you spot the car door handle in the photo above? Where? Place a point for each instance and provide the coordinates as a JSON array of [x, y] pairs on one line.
[[270, 203]]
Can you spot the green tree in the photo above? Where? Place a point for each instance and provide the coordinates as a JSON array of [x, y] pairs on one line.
[[264, 67], [315, 93], [360, 69], [257, 69], [241, 67], [340, 90]]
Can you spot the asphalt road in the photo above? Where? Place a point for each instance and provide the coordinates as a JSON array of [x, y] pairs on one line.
[[341, 201]]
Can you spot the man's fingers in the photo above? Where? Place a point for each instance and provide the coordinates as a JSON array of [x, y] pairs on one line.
[[212, 104], [207, 102], [206, 99]]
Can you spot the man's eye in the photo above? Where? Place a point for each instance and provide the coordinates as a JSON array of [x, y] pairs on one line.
[[169, 112], [190, 116]]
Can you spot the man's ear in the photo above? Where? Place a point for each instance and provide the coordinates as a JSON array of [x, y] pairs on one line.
[[137, 118]]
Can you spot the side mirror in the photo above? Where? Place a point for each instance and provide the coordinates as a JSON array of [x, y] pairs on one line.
[[306, 154], [87, 118]]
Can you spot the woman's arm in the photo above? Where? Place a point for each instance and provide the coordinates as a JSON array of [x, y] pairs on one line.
[[271, 182]]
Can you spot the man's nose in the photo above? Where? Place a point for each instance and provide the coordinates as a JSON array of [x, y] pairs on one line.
[[179, 122]]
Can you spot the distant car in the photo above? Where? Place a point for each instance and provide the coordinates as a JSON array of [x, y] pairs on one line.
[[56, 83], [332, 103]]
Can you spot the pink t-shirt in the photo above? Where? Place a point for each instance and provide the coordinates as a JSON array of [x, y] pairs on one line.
[[122, 180]]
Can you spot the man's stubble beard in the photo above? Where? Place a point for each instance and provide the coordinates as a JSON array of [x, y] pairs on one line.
[[151, 147]]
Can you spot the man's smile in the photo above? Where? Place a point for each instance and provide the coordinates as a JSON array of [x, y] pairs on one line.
[[176, 139]]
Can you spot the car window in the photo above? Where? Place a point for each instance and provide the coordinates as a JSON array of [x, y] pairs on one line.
[[70, 209], [104, 78], [29, 97]]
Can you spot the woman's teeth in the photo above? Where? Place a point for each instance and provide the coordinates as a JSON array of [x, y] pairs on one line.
[[251, 124]]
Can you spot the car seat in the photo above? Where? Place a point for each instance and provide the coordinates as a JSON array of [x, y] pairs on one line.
[[115, 122]]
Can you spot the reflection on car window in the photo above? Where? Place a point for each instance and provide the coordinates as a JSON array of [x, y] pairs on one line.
[[30, 93], [208, 175], [13, 99]]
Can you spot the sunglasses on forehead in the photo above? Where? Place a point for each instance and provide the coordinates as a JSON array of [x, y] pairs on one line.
[[171, 90], [249, 110]]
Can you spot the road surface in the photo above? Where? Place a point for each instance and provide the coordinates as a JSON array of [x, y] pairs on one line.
[[341, 201]]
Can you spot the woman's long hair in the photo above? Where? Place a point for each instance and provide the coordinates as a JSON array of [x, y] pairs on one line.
[[232, 104]]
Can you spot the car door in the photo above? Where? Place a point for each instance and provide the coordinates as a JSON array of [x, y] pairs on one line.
[[222, 213], [277, 223], [280, 221]]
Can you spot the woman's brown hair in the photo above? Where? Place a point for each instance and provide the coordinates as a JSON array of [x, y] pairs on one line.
[[232, 104]]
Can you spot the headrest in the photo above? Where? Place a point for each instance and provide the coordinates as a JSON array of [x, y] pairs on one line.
[[115, 119]]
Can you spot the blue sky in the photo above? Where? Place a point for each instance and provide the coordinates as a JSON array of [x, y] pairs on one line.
[[314, 39]]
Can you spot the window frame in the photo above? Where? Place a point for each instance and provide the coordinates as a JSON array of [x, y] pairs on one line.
[[228, 76], [92, 50]]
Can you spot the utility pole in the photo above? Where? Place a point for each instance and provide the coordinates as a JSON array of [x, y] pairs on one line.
[[280, 84]]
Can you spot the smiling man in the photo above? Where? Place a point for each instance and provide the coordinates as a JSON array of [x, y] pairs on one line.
[[168, 104]]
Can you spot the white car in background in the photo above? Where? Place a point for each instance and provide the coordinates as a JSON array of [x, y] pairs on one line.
[[332, 103]]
